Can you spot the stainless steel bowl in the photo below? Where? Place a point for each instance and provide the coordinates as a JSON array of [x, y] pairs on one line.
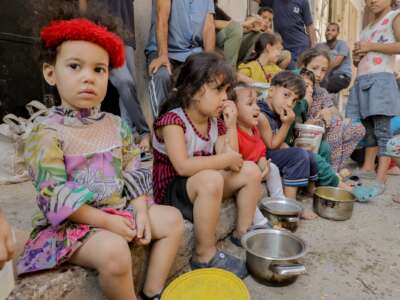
[[273, 255], [284, 213], [333, 203]]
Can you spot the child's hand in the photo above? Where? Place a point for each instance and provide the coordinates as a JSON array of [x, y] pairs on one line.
[[264, 165], [230, 114], [326, 115], [361, 48], [121, 226], [313, 122], [287, 116], [235, 160], [143, 236]]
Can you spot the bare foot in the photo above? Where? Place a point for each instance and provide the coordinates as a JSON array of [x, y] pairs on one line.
[[308, 215], [144, 143], [396, 198], [394, 171]]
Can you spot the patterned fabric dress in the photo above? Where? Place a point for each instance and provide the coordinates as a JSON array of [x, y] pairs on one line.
[[342, 135], [196, 145], [76, 158]]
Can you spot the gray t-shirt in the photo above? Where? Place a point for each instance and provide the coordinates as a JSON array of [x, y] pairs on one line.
[[185, 28], [341, 49]]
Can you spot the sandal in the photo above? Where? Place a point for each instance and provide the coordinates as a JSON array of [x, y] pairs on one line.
[[222, 260], [366, 193]]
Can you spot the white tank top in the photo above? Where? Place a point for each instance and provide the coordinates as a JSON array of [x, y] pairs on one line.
[[380, 32], [194, 143]]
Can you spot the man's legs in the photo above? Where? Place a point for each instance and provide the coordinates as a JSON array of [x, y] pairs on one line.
[[124, 81], [229, 40], [159, 85], [247, 46]]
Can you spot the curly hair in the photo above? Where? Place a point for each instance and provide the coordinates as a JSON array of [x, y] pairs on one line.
[[46, 11], [199, 69]]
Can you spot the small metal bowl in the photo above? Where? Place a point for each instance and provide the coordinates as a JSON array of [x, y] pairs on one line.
[[283, 213]]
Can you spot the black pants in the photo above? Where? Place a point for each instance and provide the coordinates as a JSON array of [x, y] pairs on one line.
[[336, 82]]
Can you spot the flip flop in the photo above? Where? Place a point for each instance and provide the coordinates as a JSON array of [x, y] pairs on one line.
[[365, 193]]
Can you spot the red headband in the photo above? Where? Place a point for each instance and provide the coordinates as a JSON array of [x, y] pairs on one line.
[[84, 30]]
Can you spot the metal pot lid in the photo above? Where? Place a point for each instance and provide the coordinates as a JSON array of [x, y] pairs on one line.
[[283, 207]]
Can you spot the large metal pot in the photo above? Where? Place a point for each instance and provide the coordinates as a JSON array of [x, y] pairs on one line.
[[333, 203], [283, 213], [272, 256]]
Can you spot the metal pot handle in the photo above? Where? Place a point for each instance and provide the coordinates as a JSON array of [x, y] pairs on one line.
[[288, 270]]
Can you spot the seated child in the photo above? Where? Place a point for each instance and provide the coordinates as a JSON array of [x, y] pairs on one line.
[[342, 135], [326, 175], [195, 164], [251, 145], [297, 166], [261, 66], [93, 196]]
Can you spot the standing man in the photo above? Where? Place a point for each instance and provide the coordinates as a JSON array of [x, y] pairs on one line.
[[293, 21], [340, 72], [123, 79], [178, 29]]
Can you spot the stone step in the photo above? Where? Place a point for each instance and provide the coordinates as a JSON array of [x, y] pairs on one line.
[[72, 282]]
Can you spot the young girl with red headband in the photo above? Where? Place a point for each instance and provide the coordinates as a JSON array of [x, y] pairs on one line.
[[93, 196]]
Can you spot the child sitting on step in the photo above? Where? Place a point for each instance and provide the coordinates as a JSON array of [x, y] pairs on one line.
[[195, 164], [93, 196]]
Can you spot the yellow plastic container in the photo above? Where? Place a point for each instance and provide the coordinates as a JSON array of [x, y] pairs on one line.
[[206, 284]]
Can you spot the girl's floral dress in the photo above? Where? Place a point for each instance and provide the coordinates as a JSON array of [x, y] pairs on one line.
[[342, 135], [76, 158]]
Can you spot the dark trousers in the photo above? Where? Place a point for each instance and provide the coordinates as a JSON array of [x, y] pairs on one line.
[[297, 166], [123, 79], [336, 82], [160, 82]]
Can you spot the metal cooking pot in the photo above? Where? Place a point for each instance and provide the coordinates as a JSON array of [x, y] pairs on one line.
[[333, 203], [273, 255], [284, 213]]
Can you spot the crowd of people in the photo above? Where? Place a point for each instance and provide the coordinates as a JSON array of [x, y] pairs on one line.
[[215, 135]]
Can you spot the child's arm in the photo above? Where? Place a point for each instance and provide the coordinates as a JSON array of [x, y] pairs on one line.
[[275, 141], [230, 137], [363, 47]]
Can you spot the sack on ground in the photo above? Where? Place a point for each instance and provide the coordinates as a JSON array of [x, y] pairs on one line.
[[13, 133]]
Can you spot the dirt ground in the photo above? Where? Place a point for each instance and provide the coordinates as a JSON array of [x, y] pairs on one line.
[[348, 260]]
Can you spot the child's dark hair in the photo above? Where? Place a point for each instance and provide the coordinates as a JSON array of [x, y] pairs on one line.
[[263, 40], [47, 11], [199, 69], [308, 55], [309, 74], [290, 81], [263, 9]]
